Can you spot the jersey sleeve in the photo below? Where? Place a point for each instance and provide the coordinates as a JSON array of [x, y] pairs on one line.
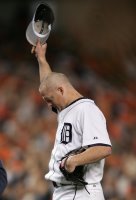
[[93, 126]]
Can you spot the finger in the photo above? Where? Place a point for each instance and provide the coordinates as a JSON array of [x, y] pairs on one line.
[[33, 49], [62, 163], [38, 43]]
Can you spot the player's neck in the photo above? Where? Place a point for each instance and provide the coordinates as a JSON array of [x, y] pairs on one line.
[[75, 96]]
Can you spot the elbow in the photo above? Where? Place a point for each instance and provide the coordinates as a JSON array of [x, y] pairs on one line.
[[108, 151]]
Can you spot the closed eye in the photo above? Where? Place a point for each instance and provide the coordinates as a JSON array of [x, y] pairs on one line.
[[47, 100]]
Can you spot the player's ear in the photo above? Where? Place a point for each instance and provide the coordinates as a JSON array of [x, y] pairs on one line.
[[60, 90]]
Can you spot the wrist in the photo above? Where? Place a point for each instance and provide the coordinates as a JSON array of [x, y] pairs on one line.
[[72, 161], [42, 61], [69, 164]]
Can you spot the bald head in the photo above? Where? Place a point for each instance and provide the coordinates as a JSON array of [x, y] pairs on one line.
[[54, 80], [57, 91]]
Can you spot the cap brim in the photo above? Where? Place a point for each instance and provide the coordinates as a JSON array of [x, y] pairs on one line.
[[40, 26], [33, 36]]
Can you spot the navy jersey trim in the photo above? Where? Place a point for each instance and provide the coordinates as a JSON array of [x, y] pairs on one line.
[[98, 144], [75, 101], [56, 111]]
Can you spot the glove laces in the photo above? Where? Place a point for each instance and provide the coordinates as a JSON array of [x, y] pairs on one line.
[[84, 185]]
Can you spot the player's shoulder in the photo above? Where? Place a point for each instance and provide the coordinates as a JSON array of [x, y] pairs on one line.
[[78, 106], [85, 103], [88, 107], [82, 105]]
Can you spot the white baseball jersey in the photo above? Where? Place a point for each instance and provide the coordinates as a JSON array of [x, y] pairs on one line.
[[81, 124]]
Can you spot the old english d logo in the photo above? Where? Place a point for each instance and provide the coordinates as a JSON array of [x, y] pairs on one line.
[[66, 133]]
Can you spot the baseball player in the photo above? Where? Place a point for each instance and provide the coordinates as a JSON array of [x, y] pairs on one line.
[[3, 178], [80, 124]]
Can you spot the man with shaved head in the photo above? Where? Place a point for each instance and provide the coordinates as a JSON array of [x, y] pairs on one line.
[[57, 91], [80, 124]]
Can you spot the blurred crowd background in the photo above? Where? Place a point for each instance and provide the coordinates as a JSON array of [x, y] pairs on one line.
[[94, 43]]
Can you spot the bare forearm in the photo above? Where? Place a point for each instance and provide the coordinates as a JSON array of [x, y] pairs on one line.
[[91, 155], [44, 69]]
